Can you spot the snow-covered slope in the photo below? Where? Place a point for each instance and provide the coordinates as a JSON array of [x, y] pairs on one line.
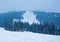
[[8, 36], [30, 17]]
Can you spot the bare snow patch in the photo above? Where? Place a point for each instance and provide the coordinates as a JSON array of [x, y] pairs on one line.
[[30, 17]]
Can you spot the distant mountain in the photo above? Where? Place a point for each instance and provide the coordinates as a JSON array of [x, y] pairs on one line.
[[49, 22], [49, 17], [9, 16]]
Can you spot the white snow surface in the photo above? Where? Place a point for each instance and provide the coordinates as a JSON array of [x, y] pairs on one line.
[[30, 17], [9, 36]]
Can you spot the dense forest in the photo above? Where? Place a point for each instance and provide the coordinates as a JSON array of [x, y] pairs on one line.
[[45, 27]]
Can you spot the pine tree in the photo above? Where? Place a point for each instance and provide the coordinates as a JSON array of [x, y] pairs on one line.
[[52, 28]]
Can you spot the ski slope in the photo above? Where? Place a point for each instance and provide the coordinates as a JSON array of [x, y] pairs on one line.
[[8, 36]]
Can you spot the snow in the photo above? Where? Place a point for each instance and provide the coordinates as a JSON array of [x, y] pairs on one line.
[[9, 36], [30, 17], [16, 20]]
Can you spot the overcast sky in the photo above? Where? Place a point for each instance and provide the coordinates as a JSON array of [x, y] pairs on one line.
[[42, 5]]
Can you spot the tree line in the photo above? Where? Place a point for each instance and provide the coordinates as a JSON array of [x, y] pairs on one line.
[[44, 28]]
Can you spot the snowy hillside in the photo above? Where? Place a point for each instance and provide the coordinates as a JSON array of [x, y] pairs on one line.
[[30, 17], [8, 36], [33, 21]]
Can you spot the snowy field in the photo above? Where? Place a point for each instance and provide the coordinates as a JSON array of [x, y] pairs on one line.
[[8, 36]]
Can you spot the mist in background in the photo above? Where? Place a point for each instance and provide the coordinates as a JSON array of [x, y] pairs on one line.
[[42, 5]]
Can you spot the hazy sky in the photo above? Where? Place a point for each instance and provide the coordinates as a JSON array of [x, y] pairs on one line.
[[42, 5]]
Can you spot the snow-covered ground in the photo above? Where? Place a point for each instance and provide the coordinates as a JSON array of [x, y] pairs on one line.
[[8, 36]]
